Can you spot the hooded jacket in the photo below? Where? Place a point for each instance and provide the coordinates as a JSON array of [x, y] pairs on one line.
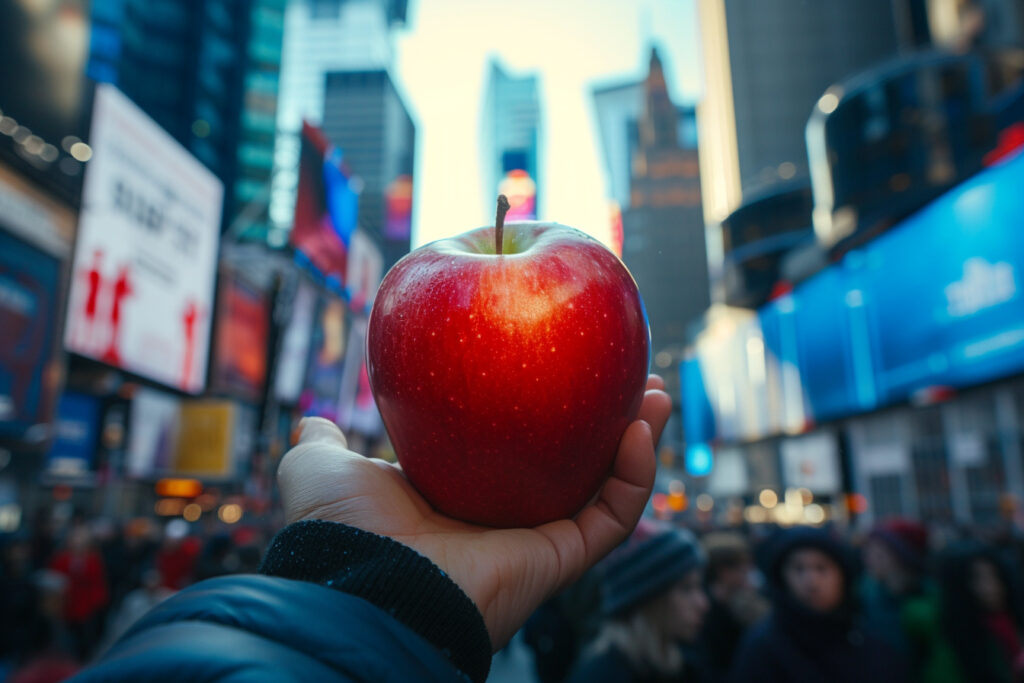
[[798, 645]]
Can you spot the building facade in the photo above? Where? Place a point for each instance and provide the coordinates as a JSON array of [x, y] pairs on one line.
[[663, 226], [323, 36], [511, 141], [766, 64], [365, 116]]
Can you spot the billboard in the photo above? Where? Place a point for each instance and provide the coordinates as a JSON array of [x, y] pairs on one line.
[[398, 200], [357, 409], [76, 435], [206, 436], [935, 302], [141, 294], [153, 433], [294, 354], [521, 191], [812, 462], [243, 326], [29, 299], [326, 207], [323, 378]]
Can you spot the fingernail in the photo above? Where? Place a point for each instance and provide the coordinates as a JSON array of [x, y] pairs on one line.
[[319, 429]]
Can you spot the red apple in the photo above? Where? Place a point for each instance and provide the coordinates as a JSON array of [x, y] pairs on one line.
[[506, 380]]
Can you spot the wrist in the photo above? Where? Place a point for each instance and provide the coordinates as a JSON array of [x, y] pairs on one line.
[[391, 576]]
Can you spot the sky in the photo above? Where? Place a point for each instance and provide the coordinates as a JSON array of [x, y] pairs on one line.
[[442, 57]]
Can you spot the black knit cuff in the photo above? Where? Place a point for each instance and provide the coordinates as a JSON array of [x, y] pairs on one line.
[[391, 576]]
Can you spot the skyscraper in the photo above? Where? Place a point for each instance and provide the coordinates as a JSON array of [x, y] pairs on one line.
[[618, 109], [766, 63], [207, 72], [255, 153], [511, 132], [364, 115], [663, 226], [323, 36]]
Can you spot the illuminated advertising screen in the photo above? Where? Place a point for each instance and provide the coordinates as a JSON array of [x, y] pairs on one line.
[[29, 286], [399, 208], [325, 207], [243, 324], [323, 379], [153, 433], [521, 191], [953, 314], [357, 409], [76, 435], [294, 354], [935, 302], [207, 430], [141, 295]]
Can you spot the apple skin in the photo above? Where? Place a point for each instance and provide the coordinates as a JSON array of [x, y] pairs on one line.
[[506, 382]]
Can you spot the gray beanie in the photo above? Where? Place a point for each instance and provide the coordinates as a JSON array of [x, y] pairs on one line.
[[648, 563]]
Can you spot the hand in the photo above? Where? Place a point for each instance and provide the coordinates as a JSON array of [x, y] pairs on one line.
[[506, 572]]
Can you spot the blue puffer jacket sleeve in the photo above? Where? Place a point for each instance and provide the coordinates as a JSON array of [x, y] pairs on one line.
[[339, 605]]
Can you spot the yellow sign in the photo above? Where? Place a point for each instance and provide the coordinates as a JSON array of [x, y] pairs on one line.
[[205, 438]]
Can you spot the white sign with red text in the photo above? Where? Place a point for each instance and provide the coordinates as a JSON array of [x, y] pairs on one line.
[[146, 253]]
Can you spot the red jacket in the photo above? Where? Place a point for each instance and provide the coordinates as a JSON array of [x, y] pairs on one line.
[[87, 584]]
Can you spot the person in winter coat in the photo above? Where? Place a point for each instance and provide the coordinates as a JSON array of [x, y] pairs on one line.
[[813, 634], [981, 619], [896, 592], [87, 595], [653, 598], [370, 583], [736, 603]]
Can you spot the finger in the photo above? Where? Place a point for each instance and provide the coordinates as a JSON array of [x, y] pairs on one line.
[[655, 382], [314, 429], [609, 520], [655, 410], [309, 468]]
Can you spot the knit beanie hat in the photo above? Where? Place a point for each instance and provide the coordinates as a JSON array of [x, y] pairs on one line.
[[649, 562], [907, 539]]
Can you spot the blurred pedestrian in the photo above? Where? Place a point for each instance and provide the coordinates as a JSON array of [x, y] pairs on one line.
[[19, 613], [736, 602], [654, 603], [813, 634], [896, 593], [136, 604], [214, 560], [559, 629], [48, 657], [178, 554], [982, 620], [86, 596]]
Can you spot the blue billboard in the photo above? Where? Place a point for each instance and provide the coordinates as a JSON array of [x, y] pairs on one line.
[[934, 302], [942, 291], [75, 435], [29, 286]]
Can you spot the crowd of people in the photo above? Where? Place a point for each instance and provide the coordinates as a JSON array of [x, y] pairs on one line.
[[67, 593], [799, 605], [803, 605]]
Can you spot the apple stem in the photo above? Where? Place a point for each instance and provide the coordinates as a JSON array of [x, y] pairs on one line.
[[499, 222]]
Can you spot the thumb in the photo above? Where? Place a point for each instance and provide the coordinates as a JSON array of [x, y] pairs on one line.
[[317, 429]]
